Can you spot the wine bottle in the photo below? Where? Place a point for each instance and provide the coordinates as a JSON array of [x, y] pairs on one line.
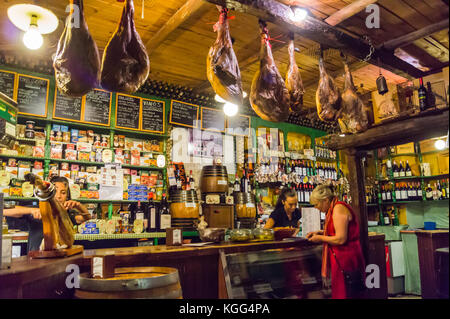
[[444, 190], [404, 192], [435, 192], [431, 99], [152, 214], [164, 215], [439, 191], [422, 96], [191, 181], [401, 170], [429, 193], [383, 193], [307, 193], [395, 170], [398, 192], [386, 219], [408, 171]]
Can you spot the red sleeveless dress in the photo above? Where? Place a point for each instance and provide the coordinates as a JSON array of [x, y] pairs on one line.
[[349, 255]]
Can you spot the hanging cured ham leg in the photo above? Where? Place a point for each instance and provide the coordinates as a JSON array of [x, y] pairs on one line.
[[222, 67], [353, 118], [294, 81], [77, 61], [125, 63], [328, 96], [269, 96]]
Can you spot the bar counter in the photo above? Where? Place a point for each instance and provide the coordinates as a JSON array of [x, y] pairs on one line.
[[199, 268]]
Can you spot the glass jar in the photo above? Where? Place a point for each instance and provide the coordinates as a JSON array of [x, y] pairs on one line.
[[241, 234], [263, 234]]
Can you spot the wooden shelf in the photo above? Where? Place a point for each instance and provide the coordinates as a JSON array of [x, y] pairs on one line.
[[425, 125], [388, 179], [405, 154], [32, 158], [75, 162], [81, 200]]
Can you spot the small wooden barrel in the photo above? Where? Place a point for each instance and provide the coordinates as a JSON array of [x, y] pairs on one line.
[[214, 179], [132, 283], [245, 205], [184, 204]]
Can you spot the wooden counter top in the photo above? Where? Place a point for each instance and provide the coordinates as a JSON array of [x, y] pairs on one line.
[[150, 253]]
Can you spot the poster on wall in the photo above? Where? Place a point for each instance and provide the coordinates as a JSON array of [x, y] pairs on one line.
[[205, 144]]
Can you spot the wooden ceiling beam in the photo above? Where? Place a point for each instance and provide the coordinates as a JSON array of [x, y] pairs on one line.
[[190, 8], [348, 11], [320, 32], [416, 35]]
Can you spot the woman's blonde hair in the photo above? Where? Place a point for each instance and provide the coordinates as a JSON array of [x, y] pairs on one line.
[[322, 192]]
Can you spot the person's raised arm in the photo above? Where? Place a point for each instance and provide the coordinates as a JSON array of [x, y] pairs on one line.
[[269, 224], [20, 211]]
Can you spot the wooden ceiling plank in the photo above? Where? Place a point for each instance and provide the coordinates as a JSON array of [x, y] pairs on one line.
[[413, 36], [348, 11], [320, 32], [183, 14]]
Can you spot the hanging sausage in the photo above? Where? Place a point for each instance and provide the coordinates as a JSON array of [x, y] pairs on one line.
[[77, 61], [125, 63], [353, 118], [222, 67], [294, 81], [328, 96], [269, 96]]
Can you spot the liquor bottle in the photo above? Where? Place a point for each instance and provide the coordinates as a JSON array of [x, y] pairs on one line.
[[398, 192], [164, 215], [408, 171], [412, 195], [152, 214], [431, 99], [305, 169], [422, 96], [368, 201], [188, 184], [419, 191], [436, 194], [237, 184], [386, 219], [388, 193], [429, 193], [401, 170], [444, 190], [404, 192], [178, 178], [307, 193], [383, 193], [191, 181], [439, 191], [140, 214], [394, 216], [395, 170]]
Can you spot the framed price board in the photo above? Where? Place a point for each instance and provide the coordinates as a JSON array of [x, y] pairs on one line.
[[184, 114], [32, 95]]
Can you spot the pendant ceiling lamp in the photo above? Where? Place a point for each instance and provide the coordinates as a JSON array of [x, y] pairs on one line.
[[34, 21]]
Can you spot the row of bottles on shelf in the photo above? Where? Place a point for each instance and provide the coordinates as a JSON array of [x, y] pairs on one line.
[[154, 217], [389, 217], [427, 100], [401, 170], [323, 152], [409, 192], [177, 180], [299, 168]]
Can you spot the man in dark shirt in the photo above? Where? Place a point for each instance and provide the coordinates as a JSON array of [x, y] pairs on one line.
[[286, 213]]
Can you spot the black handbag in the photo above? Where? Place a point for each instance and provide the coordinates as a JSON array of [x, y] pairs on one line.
[[354, 281]]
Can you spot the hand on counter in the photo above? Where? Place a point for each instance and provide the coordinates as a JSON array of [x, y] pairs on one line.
[[319, 232], [315, 238]]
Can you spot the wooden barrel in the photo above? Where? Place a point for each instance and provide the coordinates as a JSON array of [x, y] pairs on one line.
[[245, 205], [214, 179], [132, 283], [184, 204]]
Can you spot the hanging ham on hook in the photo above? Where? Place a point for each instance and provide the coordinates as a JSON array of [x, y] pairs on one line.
[[77, 61], [222, 67], [353, 118], [269, 96], [328, 96], [125, 63], [294, 81]]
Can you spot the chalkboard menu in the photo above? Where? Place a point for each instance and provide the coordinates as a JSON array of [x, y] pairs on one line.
[[153, 116], [97, 107], [67, 108], [32, 95], [238, 125], [183, 114], [127, 111], [7, 83], [213, 120]]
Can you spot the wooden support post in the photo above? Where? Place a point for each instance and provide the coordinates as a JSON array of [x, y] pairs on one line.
[[357, 193]]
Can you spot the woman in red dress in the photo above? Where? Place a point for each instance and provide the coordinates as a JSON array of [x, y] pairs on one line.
[[340, 238]]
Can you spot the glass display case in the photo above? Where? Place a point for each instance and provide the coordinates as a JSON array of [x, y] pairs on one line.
[[287, 273]]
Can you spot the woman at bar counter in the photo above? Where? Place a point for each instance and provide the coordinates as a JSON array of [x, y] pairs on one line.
[[78, 213], [340, 238], [286, 213]]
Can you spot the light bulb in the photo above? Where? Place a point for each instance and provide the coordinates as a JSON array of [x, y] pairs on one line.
[[32, 38], [244, 94], [230, 109], [439, 144], [298, 14]]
